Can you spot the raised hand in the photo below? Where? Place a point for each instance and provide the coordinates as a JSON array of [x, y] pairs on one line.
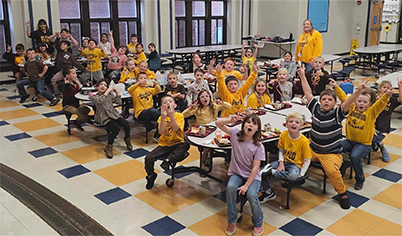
[[333, 83], [111, 33], [363, 85], [8, 48], [255, 46], [399, 82], [219, 68], [256, 67], [301, 71], [212, 62]]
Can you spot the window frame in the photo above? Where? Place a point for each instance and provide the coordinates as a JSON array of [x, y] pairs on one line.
[[7, 34]]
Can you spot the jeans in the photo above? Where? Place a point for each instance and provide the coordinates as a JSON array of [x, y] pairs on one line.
[[234, 183], [151, 114], [357, 152], [40, 86], [291, 172], [378, 137]]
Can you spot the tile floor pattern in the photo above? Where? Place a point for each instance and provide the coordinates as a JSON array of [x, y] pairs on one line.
[[35, 142]]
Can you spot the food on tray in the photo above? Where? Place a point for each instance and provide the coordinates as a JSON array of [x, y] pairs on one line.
[[224, 141], [218, 135], [267, 127], [203, 129], [277, 130], [195, 129]]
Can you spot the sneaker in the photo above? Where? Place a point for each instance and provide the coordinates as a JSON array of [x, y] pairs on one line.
[[156, 137], [358, 186], [35, 98], [54, 102], [77, 125], [385, 155], [267, 196], [150, 181], [257, 231], [128, 144], [166, 165], [24, 98], [230, 229], [344, 201], [266, 171]]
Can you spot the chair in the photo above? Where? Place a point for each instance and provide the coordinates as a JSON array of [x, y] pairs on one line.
[[149, 125], [289, 184], [170, 182]]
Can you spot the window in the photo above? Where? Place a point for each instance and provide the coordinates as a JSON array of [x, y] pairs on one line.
[[92, 18], [5, 38], [206, 19]]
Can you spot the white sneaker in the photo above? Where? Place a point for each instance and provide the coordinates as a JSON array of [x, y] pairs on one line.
[[266, 170], [267, 196]]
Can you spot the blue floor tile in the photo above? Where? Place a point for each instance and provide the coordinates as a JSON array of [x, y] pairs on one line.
[[13, 97], [179, 175], [19, 136], [392, 130], [33, 105], [137, 153], [112, 195], [163, 226], [100, 138], [42, 152], [73, 171], [388, 175], [53, 114], [3, 90], [300, 227], [355, 199], [3, 122]]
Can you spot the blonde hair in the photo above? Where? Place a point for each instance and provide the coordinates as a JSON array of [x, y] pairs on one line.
[[311, 23], [296, 116], [172, 74], [143, 62], [384, 82], [284, 70], [257, 81], [319, 58]]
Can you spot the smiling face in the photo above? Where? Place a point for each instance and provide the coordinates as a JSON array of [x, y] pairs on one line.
[[249, 52], [363, 102], [102, 87], [42, 26], [383, 89], [63, 46], [143, 66], [104, 38], [294, 124], [142, 80], [307, 27], [20, 52], [172, 80], [318, 64], [204, 98], [327, 102], [130, 65], [42, 48], [282, 76], [31, 54], [261, 87], [229, 65], [85, 43], [232, 86], [134, 40], [287, 57], [151, 48], [64, 34], [122, 50], [72, 74]]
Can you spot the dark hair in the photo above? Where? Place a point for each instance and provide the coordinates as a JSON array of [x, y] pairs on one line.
[[167, 96], [105, 35], [211, 104], [65, 30], [288, 52], [67, 71], [42, 21], [142, 73], [257, 135], [133, 36], [41, 45], [152, 44], [199, 70], [100, 81], [329, 92], [139, 44], [93, 40], [65, 42], [30, 49], [19, 46], [198, 52], [231, 78]]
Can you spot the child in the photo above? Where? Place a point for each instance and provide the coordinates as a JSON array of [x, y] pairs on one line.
[[105, 44], [94, 65], [196, 63], [289, 64], [64, 60], [360, 127], [228, 71], [107, 115], [284, 90], [154, 60], [36, 71], [133, 44], [247, 153], [143, 67], [15, 59], [129, 71], [326, 132], [247, 56], [294, 156], [85, 44], [229, 93], [317, 78], [65, 35], [171, 144], [198, 85], [260, 96], [117, 59], [42, 55], [140, 56], [69, 87], [176, 91], [383, 122]]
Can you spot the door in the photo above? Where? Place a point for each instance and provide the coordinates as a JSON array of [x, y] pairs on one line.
[[375, 22]]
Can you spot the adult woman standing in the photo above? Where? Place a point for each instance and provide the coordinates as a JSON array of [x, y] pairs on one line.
[[309, 45], [41, 35]]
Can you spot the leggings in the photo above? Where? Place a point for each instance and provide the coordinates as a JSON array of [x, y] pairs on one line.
[[113, 129]]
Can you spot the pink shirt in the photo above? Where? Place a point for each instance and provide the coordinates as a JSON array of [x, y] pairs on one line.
[[243, 156], [116, 60]]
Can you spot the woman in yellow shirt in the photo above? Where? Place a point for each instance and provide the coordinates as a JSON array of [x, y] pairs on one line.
[[309, 45], [260, 95], [248, 56]]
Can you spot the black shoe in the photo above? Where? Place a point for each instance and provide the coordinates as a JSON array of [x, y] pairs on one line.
[[150, 181], [24, 98], [358, 186], [344, 201], [266, 171], [267, 196], [35, 98], [77, 125], [54, 102], [166, 165]]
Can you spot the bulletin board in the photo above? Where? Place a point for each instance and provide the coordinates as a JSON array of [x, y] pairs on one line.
[[391, 11], [318, 13]]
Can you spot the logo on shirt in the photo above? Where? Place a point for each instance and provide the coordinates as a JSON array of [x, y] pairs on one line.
[[358, 115], [114, 60], [237, 104], [168, 129], [91, 58], [145, 96], [66, 56]]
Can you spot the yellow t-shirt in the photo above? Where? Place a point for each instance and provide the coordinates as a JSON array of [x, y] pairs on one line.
[[360, 126], [249, 61], [236, 99], [170, 137], [205, 116], [140, 57], [253, 102], [132, 47], [151, 75], [226, 74], [124, 77], [93, 58], [308, 46], [295, 150], [142, 97]]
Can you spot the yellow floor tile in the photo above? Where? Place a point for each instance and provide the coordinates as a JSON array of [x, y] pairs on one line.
[[216, 225], [138, 139], [169, 200], [391, 196], [8, 115], [194, 155], [393, 140], [7, 103], [36, 124], [344, 227], [376, 159], [363, 219], [386, 228], [58, 107], [58, 138], [1, 96], [88, 153]]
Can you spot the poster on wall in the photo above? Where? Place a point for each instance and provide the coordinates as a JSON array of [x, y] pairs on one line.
[[318, 11], [391, 11]]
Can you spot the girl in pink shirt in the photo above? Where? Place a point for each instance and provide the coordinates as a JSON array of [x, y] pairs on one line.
[[117, 60]]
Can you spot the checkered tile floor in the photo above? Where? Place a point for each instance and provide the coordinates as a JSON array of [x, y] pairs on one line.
[[35, 142]]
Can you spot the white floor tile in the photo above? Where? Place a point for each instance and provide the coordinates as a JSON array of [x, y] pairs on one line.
[[6, 216], [277, 217], [185, 232], [18, 209], [47, 131], [378, 208], [103, 163], [395, 166], [9, 130], [396, 217], [25, 119], [14, 228], [37, 226], [278, 232], [372, 186]]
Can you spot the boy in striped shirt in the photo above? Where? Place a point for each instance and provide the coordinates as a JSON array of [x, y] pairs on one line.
[[326, 132]]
